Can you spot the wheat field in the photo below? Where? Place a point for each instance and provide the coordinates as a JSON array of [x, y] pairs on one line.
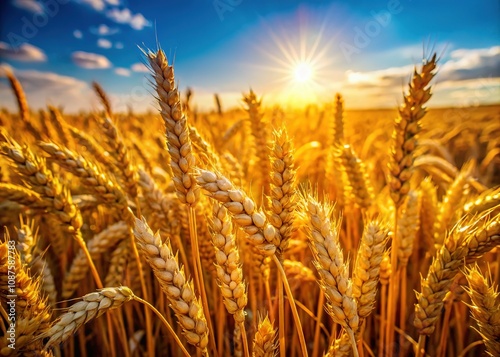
[[250, 232]]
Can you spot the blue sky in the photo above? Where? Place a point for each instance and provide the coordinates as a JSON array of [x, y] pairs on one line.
[[365, 49]]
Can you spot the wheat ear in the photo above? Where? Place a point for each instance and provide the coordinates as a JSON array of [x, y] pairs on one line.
[[60, 125], [486, 200], [264, 344], [24, 111], [451, 203], [182, 160], [365, 279], [228, 264], [243, 210], [172, 280], [103, 97], [121, 154], [92, 147], [20, 195], [407, 127], [91, 176], [333, 271], [407, 228], [260, 135], [485, 308], [358, 188], [32, 313], [282, 199], [469, 239], [91, 307]]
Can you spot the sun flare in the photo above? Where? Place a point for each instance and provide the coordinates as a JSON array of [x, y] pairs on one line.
[[303, 72]]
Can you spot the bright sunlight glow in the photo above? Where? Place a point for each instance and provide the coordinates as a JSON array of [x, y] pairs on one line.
[[303, 72]]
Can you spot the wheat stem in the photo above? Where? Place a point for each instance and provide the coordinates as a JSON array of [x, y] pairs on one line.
[[291, 300], [165, 322]]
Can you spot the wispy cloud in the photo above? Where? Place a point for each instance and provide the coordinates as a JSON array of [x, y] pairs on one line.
[[29, 5], [95, 4], [118, 45], [381, 78], [464, 64], [104, 30], [78, 34], [90, 60], [471, 64], [119, 14], [103, 43], [467, 77], [25, 53], [47, 87], [125, 16], [139, 67], [122, 72]]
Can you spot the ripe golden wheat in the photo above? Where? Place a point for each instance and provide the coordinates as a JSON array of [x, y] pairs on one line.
[[251, 231]]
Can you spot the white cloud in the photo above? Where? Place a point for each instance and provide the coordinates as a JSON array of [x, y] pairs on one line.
[[103, 43], [471, 63], [395, 76], [95, 4], [104, 30], [139, 67], [90, 60], [118, 45], [25, 53], [29, 5], [122, 72], [125, 16], [113, 2], [47, 87], [466, 77], [464, 64], [78, 34]]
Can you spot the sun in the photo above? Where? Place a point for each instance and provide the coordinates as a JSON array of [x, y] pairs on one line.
[[303, 72], [299, 63]]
